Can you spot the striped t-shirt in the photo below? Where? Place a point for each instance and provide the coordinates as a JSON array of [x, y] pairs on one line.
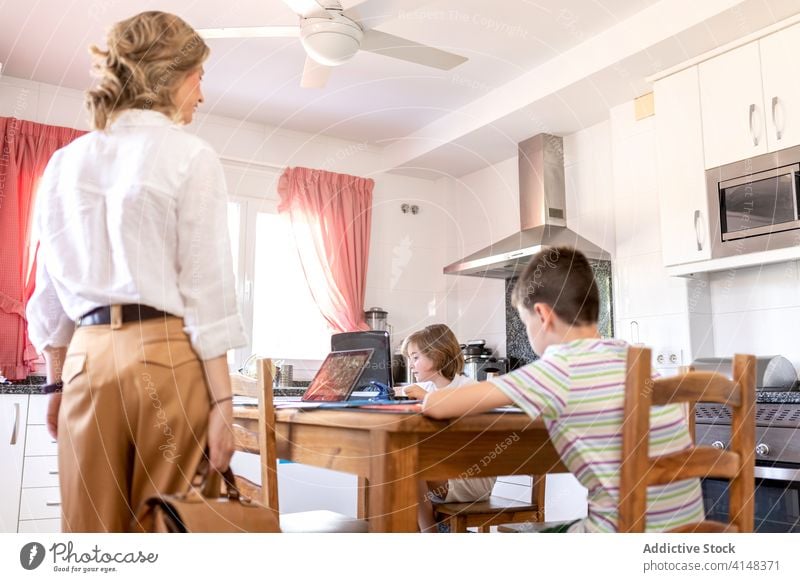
[[578, 389]]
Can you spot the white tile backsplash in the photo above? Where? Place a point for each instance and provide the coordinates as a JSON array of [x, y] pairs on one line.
[[642, 288], [762, 332], [763, 287], [637, 224]]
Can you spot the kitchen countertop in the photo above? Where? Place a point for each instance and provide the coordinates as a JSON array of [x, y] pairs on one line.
[[33, 385], [778, 397], [30, 385]]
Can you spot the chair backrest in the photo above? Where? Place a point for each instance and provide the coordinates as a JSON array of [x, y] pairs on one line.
[[261, 441], [638, 470]]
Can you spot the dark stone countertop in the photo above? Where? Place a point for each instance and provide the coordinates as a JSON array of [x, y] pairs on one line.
[[33, 385], [30, 385], [778, 397]]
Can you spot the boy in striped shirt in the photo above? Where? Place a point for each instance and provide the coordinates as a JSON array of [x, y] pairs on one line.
[[578, 387]]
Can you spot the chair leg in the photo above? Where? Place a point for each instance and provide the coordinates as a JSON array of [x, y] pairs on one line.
[[485, 528]]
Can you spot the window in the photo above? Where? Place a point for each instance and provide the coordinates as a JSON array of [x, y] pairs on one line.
[[280, 315], [286, 320]]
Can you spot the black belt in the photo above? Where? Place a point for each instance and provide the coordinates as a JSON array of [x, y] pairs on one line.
[[132, 312]]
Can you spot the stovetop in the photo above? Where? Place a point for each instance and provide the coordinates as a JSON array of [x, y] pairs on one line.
[[768, 414]]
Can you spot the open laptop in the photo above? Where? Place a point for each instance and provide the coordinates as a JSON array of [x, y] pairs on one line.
[[335, 382], [338, 376], [379, 368]]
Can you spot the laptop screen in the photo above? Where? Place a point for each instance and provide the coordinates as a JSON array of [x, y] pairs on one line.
[[379, 368], [337, 376]]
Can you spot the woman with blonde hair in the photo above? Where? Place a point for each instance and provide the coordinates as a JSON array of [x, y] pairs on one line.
[[134, 307], [435, 357]]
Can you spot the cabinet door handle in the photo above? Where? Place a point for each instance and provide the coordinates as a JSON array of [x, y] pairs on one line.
[[52, 503], [52, 472], [634, 332], [752, 130], [697, 230], [15, 430], [778, 133]]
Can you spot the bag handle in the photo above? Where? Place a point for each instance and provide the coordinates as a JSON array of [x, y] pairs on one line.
[[207, 481]]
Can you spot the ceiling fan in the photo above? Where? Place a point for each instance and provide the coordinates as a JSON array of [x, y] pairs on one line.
[[331, 36]]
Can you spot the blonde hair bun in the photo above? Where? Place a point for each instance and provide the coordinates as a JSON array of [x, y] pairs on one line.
[[148, 56]]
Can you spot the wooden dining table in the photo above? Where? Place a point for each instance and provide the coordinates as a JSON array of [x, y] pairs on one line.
[[393, 451]]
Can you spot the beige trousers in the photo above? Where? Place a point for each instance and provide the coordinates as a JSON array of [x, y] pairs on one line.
[[132, 422]]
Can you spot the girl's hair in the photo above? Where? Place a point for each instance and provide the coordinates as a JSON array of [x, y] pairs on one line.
[[438, 343], [563, 279], [148, 56]]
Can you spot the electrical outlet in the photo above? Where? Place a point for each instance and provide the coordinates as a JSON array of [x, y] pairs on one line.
[[668, 358]]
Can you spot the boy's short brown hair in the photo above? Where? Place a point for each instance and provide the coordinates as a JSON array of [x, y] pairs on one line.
[[439, 343], [562, 278]]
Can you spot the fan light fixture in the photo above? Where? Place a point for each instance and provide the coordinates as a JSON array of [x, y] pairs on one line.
[[332, 36], [330, 42]]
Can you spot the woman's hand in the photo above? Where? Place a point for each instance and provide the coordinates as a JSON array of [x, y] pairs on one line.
[[415, 392], [220, 435], [53, 406]]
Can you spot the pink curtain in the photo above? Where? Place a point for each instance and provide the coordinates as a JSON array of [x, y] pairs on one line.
[[25, 148], [331, 216]]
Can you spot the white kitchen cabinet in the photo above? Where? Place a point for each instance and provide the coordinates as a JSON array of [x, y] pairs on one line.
[[734, 117], [781, 85], [13, 415], [683, 204], [40, 499]]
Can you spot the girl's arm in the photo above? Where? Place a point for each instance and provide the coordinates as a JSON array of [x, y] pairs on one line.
[[472, 399], [415, 392]]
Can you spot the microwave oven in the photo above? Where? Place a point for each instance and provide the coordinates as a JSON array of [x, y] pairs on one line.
[[753, 204]]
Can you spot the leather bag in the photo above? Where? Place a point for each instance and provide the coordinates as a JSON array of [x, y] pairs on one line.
[[203, 510]]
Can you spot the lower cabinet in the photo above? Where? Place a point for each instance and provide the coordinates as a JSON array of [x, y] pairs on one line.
[[13, 415], [40, 498]]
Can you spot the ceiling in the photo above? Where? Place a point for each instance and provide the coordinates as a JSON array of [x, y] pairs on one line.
[[372, 98]]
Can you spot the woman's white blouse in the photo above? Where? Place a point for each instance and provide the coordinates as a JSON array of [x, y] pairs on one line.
[[135, 214]]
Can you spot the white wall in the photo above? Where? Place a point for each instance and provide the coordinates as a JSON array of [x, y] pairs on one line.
[[483, 208], [406, 251], [588, 170]]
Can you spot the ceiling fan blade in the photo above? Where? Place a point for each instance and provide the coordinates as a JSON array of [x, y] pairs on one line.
[[372, 13], [315, 76], [250, 32], [307, 8], [389, 45]]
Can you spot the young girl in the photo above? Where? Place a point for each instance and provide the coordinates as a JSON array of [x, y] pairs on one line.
[[436, 359], [578, 388]]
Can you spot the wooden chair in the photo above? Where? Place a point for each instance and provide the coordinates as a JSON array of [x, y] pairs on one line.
[[264, 443], [494, 511], [638, 470]]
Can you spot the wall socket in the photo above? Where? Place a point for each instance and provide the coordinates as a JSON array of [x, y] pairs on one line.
[[668, 358]]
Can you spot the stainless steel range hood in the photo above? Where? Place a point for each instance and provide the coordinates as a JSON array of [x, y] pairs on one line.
[[543, 218]]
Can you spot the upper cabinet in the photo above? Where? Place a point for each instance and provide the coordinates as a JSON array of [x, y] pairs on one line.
[[734, 124], [750, 99], [683, 203], [781, 83]]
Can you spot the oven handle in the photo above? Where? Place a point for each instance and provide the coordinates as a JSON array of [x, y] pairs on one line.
[[777, 473]]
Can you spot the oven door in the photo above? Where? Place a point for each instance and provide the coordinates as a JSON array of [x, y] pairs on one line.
[[777, 499]]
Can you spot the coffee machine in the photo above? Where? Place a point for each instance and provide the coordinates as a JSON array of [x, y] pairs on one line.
[[480, 362]]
